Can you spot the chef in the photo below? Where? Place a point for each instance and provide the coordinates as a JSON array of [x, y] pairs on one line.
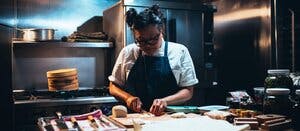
[[152, 73]]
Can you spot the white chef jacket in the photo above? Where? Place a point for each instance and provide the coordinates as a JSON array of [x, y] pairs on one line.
[[179, 58]]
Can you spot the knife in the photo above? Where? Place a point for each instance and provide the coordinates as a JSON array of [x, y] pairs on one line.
[[60, 123], [75, 124], [93, 122], [104, 121]]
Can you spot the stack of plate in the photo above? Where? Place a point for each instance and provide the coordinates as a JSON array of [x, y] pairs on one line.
[[63, 79]]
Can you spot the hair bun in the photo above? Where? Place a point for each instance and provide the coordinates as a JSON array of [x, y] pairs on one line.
[[156, 10], [130, 16]]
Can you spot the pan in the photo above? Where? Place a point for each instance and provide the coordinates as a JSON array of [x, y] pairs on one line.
[[35, 34]]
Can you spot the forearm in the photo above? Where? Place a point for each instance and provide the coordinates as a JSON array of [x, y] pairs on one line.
[[117, 92], [180, 97]]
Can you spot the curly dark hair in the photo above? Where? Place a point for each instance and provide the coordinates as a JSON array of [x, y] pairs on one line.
[[150, 16]]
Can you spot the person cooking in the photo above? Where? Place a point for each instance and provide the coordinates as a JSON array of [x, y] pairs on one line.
[[152, 73]]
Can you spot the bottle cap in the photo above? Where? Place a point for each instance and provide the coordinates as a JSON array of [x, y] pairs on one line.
[[278, 91], [297, 92], [279, 71]]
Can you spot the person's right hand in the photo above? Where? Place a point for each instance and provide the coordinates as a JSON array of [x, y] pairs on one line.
[[134, 103]]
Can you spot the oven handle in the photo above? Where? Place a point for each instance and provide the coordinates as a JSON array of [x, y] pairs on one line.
[[293, 38]]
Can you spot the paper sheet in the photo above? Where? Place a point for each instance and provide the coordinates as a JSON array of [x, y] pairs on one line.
[[202, 123]]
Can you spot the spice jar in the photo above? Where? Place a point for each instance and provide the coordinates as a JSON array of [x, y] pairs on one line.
[[259, 97], [278, 78], [277, 101]]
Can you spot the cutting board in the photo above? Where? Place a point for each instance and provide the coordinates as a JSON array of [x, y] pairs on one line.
[[142, 118]]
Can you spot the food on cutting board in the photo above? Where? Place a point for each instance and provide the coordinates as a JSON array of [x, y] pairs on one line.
[[243, 112], [119, 111], [178, 115], [219, 115]]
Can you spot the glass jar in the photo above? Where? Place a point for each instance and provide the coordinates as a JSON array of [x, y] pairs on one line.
[[259, 97], [278, 78], [277, 101]]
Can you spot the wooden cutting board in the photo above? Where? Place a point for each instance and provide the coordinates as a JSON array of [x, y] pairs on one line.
[[267, 117], [142, 118]]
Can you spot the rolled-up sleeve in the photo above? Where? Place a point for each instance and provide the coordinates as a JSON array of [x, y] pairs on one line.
[[118, 74], [188, 74]]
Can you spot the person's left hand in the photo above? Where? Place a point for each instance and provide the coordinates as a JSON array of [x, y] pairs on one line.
[[158, 107]]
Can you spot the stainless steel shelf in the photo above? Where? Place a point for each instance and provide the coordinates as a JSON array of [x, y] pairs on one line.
[[71, 101], [55, 44]]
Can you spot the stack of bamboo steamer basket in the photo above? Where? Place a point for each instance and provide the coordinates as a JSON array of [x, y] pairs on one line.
[[63, 79]]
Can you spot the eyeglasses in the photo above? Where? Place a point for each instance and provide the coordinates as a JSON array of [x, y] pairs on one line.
[[151, 41]]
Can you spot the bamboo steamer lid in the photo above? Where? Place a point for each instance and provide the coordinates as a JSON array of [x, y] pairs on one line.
[[62, 72]]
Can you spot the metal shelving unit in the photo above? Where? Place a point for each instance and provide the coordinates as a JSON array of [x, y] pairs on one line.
[[55, 44]]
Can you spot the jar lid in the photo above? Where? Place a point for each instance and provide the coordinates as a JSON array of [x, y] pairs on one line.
[[297, 92], [278, 91], [259, 89], [279, 71]]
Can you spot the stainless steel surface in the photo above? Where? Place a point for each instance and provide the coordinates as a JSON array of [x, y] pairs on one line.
[[30, 64], [243, 40], [293, 38], [275, 32], [251, 37], [22, 44], [6, 98], [65, 102]]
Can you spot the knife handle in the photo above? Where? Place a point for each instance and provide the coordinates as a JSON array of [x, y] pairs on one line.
[[58, 114], [75, 124], [73, 120], [93, 122]]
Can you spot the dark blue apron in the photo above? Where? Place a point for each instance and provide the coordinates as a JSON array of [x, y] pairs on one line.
[[151, 77]]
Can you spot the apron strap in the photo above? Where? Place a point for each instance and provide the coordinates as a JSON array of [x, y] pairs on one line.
[[166, 49]]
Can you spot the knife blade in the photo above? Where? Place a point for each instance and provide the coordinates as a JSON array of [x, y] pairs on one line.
[[60, 123], [104, 121]]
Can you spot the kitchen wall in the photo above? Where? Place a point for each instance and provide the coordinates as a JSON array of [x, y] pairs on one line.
[[66, 16]]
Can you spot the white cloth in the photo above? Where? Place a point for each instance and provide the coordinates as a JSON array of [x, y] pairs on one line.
[[179, 58]]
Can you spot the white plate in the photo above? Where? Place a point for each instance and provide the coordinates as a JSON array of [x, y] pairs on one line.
[[213, 107]]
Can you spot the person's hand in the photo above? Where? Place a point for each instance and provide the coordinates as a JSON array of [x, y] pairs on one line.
[[158, 107], [134, 103]]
